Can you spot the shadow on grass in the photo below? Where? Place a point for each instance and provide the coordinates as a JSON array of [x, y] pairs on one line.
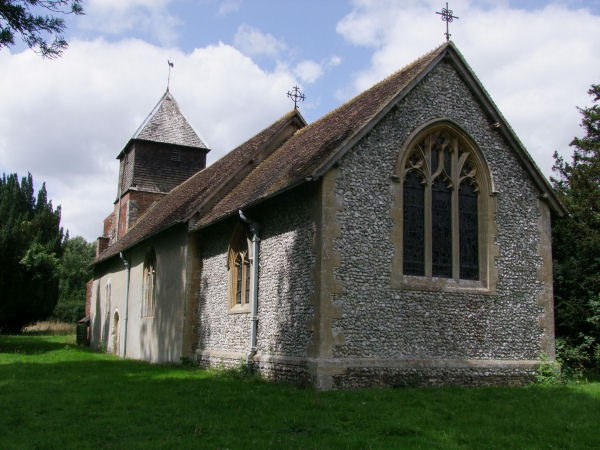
[[101, 401], [31, 344]]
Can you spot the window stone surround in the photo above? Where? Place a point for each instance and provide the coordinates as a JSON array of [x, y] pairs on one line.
[[486, 224]]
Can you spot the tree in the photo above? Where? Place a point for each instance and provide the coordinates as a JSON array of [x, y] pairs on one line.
[[75, 271], [29, 19], [31, 248], [576, 242]]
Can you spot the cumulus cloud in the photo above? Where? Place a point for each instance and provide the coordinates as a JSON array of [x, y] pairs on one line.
[[66, 120], [536, 64], [252, 42], [308, 71]]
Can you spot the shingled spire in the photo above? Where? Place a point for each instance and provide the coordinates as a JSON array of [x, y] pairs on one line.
[[167, 124], [163, 153]]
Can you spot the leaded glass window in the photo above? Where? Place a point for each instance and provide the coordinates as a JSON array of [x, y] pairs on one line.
[[441, 233], [414, 225], [239, 268], [238, 279], [468, 236], [441, 203]]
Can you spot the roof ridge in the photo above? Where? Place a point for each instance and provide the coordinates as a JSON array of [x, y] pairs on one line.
[[282, 121], [379, 83]]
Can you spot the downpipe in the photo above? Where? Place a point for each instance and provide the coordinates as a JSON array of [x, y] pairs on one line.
[[255, 230], [128, 267]]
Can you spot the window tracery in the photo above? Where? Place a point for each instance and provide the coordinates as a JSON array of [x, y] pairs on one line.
[[442, 209], [239, 271]]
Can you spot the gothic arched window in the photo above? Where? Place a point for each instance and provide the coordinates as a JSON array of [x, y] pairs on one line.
[[238, 263], [442, 211], [149, 284]]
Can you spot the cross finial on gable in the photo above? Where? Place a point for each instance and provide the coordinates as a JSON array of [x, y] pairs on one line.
[[447, 16], [296, 96]]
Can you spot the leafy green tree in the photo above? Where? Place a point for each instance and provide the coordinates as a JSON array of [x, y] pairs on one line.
[[75, 271], [30, 20], [576, 243], [31, 247]]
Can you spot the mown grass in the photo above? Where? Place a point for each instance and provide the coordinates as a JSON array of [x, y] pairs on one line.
[[56, 395]]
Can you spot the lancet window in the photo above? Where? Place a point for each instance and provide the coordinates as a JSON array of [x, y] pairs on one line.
[[149, 284], [239, 271]]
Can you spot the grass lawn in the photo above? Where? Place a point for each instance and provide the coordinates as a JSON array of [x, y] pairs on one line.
[[56, 395]]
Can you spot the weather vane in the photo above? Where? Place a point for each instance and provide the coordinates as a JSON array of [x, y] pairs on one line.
[[169, 77], [296, 95], [447, 17]]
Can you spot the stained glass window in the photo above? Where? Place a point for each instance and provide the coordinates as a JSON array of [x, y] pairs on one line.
[[440, 225], [414, 225], [468, 235], [441, 233]]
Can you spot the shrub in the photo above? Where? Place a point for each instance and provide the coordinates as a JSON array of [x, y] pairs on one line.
[[68, 312]]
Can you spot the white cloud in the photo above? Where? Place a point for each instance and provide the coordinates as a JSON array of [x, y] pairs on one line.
[[122, 16], [334, 61], [536, 64], [229, 6], [308, 71], [69, 118], [252, 41]]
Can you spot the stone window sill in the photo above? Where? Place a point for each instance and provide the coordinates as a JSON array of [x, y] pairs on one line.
[[434, 284], [239, 309]]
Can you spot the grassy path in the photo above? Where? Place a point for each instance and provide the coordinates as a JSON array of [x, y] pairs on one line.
[[56, 395]]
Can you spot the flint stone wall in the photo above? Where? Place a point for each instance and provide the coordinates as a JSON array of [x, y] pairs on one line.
[[381, 322], [285, 288]]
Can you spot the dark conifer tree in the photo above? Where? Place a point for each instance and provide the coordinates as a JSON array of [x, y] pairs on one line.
[[31, 246], [576, 243]]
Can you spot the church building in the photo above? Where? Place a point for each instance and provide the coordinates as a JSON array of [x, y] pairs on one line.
[[403, 238]]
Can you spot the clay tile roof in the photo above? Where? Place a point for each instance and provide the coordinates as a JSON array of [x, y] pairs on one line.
[[167, 124], [314, 146], [272, 161], [185, 199], [300, 157]]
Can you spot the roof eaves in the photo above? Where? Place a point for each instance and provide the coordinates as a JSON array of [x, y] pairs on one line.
[[251, 204], [112, 254]]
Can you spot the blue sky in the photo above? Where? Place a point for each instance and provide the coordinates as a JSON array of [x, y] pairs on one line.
[[65, 120]]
